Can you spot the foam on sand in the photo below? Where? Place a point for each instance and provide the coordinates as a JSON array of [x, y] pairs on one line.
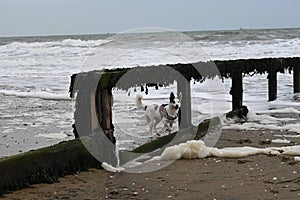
[[281, 141], [262, 121], [53, 135], [110, 168], [196, 149], [297, 158]]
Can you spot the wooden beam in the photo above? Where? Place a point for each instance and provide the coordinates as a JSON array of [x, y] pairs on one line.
[[107, 98], [45, 165], [185, 114], [237, 89], [272, 85], [104, 109], [296, 79], [94, 118]]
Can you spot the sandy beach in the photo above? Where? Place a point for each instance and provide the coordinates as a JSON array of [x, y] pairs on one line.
[[253, 177]]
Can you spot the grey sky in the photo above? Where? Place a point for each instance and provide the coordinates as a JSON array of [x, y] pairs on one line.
[[56, 17]]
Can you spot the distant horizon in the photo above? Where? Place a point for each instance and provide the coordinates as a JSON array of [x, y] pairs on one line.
[[75, 17], [113, 33]]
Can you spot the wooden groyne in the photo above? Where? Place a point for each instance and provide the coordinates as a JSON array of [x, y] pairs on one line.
[[94, 89], [47, 164]]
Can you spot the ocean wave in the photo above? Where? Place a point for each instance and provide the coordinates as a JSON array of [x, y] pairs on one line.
[[36, 94], [246, 35], [62, 43], [84, 43]]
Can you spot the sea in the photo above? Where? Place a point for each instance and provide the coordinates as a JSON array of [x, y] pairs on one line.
[[37, 111]]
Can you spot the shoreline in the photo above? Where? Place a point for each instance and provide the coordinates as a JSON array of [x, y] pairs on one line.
[[253, 177]]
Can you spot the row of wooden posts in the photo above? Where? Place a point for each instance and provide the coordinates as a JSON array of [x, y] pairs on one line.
[[94, 89], [237, 86]]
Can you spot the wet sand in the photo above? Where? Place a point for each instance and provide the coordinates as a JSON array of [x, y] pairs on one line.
[[254, 177], [32, 123]]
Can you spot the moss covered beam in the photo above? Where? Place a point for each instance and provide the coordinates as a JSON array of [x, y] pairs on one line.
[[44, 165], [198, 71]]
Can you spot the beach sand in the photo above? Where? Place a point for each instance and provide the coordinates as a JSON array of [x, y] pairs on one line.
[[253, 177], [32, 123]]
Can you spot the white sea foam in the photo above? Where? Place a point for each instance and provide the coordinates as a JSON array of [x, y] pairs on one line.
[[288, 136], [258, 121], [256, 126], [297, 158], [37, 94], [53, 135], [64, 43], [196, 149], [110, 168], [281, 141]]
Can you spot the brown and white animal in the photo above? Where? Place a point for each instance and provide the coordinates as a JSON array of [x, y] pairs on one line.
[[156, 113]]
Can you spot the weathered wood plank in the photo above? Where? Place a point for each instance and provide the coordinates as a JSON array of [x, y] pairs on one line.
[[44, 165], [185, 114], [296, 78], [237, 89], [272, 85]]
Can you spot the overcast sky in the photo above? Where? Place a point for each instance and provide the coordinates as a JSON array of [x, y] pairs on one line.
[[57, 17]]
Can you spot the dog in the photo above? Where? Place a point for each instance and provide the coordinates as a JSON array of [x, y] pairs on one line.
[[157, 113]]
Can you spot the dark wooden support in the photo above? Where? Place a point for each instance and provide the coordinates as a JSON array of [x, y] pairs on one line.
[[185, 119], [296, 78], [237, 89], [272, 85], [94, 120], [102, 142], [104, 107], [107, 99], [44, 165]]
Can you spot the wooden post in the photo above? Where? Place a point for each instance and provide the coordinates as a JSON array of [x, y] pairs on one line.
[[107, 98], [296, 78], [102, 144], [237, 89], [104, 104], [272, 85], [185, 119], [94, 120]]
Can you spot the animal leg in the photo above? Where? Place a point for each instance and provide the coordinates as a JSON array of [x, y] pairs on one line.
[[154, 126], [168, 126], [151, 125], [147, 119]]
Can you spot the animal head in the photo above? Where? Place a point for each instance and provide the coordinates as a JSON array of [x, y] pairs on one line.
[[175, 102]]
